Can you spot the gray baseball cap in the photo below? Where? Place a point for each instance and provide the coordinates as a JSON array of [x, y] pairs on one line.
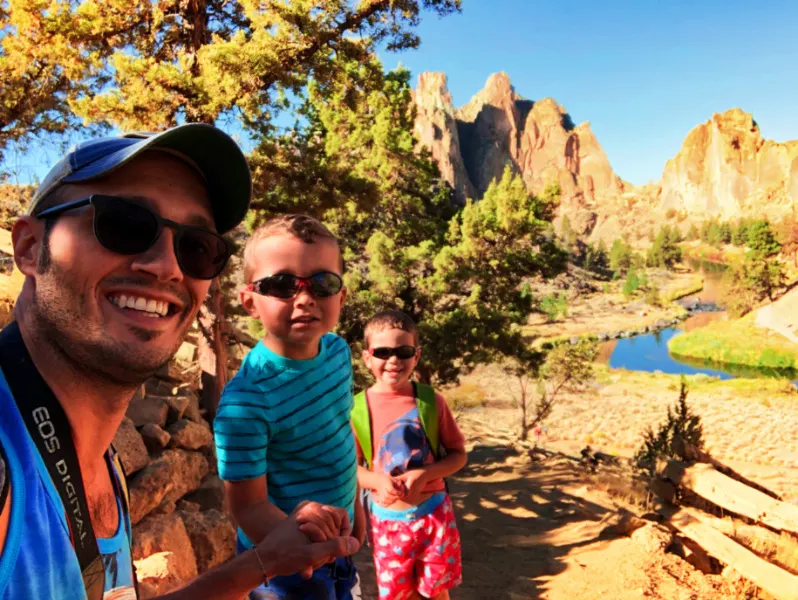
[[213, 153]]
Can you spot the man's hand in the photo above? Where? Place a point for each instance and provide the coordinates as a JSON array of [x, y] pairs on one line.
[[414, 482], [287, 550], [389, 490], [320, 522]]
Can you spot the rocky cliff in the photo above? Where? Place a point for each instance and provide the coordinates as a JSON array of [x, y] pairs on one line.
[[498, 127], [725, 168]]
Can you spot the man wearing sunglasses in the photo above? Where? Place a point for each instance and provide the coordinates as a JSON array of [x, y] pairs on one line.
[[118, 249]]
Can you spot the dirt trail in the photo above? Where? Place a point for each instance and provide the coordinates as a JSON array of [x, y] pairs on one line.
[[541, 530]]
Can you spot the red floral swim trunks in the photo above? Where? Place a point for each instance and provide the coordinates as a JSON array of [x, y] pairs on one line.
[[416, 549]]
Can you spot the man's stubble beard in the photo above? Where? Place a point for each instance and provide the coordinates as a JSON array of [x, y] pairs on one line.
[[59, 309]]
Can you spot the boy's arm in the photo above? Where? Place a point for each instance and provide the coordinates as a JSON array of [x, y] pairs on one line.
[[257, 517], [359, 526], [285, 551], [249, 503]]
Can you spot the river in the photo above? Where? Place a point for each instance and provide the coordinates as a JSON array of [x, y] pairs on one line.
[[649, 352]]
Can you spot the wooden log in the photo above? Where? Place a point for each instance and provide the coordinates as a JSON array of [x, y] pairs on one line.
[[775, 581], [692, 454], [733, 496], [755, 538]]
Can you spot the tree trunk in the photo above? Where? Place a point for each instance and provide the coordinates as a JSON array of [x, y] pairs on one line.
[[212, 349]]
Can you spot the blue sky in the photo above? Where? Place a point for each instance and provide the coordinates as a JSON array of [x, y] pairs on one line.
[[642, 72]]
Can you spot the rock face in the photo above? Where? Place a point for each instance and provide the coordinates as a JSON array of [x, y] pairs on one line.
[[726, 168], [177, 503], [498, 128]]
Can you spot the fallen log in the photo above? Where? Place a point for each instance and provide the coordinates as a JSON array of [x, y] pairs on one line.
[[760, 540], [733, 496], [775, 581], [692, 454]]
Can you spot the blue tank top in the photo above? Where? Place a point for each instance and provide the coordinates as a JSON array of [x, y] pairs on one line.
[[37, 560]]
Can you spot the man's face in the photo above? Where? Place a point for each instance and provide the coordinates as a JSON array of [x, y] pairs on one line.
[[79, 289], [297, 323]]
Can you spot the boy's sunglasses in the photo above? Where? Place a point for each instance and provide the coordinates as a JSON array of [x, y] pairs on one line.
[[287, 285], [402, 352], [126, 227]]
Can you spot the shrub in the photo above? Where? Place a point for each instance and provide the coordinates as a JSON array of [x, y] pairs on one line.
[[681, 427], [554, 306], [631, 285]]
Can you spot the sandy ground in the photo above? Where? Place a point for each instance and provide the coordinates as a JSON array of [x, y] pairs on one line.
[[755, 433], [544, 530]]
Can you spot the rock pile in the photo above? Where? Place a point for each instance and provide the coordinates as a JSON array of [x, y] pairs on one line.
[[180, 526]]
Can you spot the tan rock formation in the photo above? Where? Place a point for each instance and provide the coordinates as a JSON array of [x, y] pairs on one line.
[[499, 128], [726, 169], [436, 128]]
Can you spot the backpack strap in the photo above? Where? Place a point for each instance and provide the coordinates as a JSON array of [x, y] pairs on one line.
[[428, 411], [124, 496], [361, 421]]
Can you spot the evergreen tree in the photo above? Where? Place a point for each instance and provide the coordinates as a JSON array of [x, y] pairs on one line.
[[665, 251], [620, 257], [149, 65]]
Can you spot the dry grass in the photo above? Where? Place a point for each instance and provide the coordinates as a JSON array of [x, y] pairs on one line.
[[751, 424]]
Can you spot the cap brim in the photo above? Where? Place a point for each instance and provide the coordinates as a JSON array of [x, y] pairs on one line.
[[213, 152]]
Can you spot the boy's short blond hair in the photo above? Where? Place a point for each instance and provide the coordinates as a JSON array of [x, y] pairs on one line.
[[390, 319], [302, 227]]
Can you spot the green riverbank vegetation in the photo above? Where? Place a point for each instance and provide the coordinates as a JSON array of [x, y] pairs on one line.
[[737, 342]]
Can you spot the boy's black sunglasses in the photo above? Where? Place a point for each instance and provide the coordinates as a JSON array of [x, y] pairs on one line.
[[402, 352], [127, 227], [287, 285]]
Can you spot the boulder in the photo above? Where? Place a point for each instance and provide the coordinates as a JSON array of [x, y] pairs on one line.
[[210, 494], [192, 412], [150, 409], [155, 438], [177, 407], [131, 448], [187, 353], [167, 507], [653, 537], [190, 435], [187, 506], [171, 476], [162, 552], [212, 536], [159, 387]]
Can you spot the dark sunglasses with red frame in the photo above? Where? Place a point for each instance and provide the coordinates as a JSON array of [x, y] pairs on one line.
[[323, 284], [400, 352]]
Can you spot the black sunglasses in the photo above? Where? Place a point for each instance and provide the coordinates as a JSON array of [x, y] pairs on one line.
[[402, 352], [126, 227], [287, 285]]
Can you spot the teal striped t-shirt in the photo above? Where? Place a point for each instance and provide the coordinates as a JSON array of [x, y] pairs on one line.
[[290, 420]]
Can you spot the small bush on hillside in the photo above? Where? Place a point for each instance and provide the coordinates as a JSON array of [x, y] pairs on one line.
[[681, 427], [554, 306], [653, 296], [631, 285]]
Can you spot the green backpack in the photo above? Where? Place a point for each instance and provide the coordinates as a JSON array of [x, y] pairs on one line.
[[427, 410]]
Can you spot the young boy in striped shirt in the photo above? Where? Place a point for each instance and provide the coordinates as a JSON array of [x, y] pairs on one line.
[[282, 429]]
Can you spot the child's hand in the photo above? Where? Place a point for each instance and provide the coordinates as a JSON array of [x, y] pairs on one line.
[[414, 482], [389, 490], [321, 522]]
